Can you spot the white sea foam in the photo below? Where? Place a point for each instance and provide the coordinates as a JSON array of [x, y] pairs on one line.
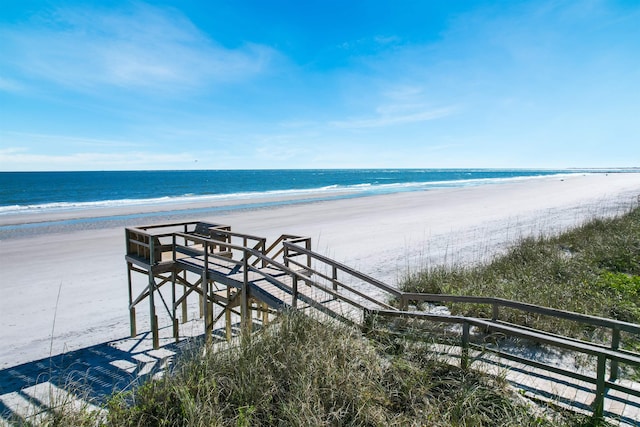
[[355, 189]]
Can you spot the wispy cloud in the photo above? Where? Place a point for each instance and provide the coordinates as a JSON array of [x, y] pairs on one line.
[[143, 47], [393, 115], [22, 159], [57, 139], [10, 85]]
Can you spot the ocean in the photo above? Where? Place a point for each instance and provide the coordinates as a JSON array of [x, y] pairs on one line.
[[25, 192]]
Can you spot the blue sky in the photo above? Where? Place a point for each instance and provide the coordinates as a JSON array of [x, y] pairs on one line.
[[318, 84]]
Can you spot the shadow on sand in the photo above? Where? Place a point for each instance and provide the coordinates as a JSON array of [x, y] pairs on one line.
[[89, 375]]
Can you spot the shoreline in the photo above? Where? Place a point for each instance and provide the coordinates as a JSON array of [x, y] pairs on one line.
[[385, 236], [172, 207]]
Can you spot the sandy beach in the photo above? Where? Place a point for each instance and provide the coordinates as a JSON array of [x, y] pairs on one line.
[[76, 273]]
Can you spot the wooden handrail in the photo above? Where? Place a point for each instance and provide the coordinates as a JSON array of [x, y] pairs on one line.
[[342, 286], [603, 354], [405, 297], [285, 237], [344, 268], [530, 308]]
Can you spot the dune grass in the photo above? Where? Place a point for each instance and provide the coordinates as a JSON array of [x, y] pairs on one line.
[[300, 372], [592, 269]]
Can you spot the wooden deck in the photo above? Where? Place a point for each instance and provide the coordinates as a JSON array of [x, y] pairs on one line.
[[237, 278]]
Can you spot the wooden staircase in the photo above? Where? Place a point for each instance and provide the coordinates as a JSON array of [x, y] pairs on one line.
[[235, 275]]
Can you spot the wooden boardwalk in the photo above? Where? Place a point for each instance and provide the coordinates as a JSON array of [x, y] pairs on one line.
[[238, 278]]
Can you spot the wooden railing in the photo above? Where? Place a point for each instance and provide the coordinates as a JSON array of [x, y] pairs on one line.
[[148, 244], [277, 248], [615, 327], [604, 353], [333, 279]]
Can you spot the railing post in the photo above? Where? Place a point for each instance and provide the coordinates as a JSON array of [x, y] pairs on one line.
[[286, 255], [152, 304], [598, 402], [263, 243], [227, 315], [308, 247], [208, 329], [334, 277], [615, 344], [294, 294], [174, 273], [367, 320], [174, 313], [152, 251], [464, 356], [184, 276], [244, 296], [404, 303], [495, 309]]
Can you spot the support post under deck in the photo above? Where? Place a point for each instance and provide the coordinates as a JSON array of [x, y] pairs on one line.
[[152, 310], [132, 309]]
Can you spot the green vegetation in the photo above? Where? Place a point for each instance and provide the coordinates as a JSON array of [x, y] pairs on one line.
[[300, 372], [593, 269]]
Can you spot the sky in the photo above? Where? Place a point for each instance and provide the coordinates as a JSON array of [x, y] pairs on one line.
[[239, 84]]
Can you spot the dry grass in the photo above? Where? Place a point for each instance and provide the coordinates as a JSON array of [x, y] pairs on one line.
[[593, 269], [300, 372]]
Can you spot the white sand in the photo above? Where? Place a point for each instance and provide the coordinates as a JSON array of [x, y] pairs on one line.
[[383, 236]]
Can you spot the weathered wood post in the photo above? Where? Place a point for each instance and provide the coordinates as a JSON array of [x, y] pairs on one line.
[[244, 296], [294, 293], [152, 289], [598, 402], [367, 321], [404, 302], [265, 313], [615, 345], [174, 312], [464, 356], [227, 315], [184, 292], [174, 275], [495, 311], [152, 313], [132, 308], [205, 296], [286, 254]]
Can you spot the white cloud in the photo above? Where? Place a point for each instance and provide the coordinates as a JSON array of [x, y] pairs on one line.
[[10, 85], [19, 159], [64, 140], [395, 115], [144, 47]]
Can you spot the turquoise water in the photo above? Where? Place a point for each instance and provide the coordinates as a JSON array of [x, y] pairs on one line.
[[22, 192]]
